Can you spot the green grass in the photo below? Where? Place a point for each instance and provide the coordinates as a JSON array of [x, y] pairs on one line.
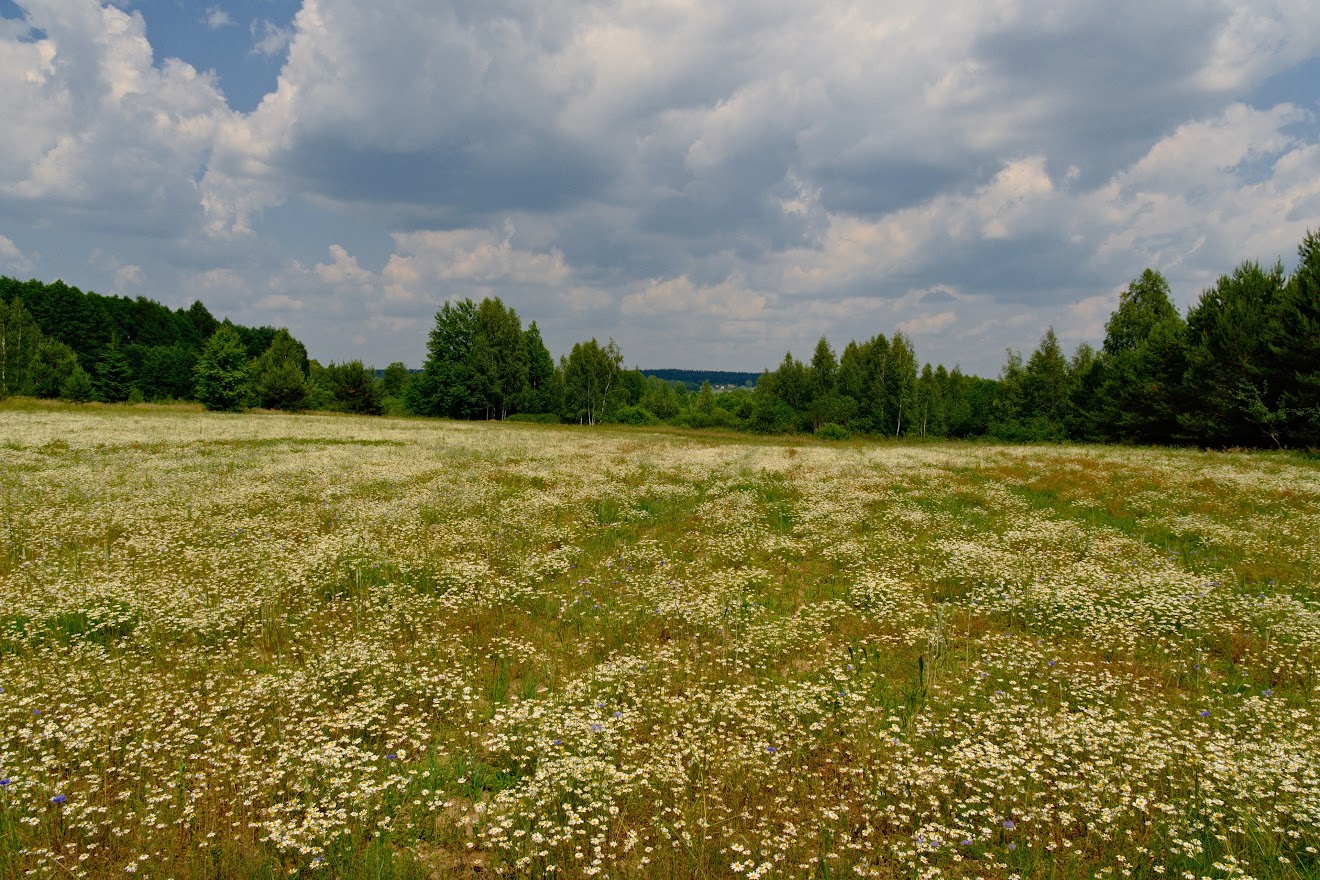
[[325, 646]]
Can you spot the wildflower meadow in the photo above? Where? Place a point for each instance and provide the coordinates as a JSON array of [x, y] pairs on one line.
[[329, 646]]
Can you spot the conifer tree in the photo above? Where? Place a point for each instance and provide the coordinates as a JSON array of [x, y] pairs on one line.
[[114, 374]]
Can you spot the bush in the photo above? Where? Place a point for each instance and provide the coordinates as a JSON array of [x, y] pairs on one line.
[[831, 431], [634, 415]]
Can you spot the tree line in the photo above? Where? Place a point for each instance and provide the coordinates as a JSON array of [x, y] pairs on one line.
[[57, 341], [1241, 368]]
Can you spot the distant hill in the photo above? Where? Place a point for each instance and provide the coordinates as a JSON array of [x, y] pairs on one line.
[[693, 378]]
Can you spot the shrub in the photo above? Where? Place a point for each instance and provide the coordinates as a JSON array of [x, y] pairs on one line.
[[831, 431]]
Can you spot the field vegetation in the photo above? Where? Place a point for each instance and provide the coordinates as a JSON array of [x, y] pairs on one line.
[[271, 646]]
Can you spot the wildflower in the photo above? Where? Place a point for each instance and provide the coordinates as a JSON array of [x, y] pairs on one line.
[[4, 782], [1008, 825], [58, 799], [1204, 713], [391, 757]]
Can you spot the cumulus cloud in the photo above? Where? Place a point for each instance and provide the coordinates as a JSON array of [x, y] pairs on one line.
[[109, 138], [12, 259], [730, 177]]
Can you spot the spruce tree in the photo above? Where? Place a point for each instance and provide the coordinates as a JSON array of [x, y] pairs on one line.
[[114, 374], [78, 387]]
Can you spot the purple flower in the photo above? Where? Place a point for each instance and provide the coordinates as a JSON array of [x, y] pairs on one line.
[[596, 728], [967, 841], [391, 757], [1268, 692], [770, 749], [58, 799], [557, 742], [1204, 713], [1012, 847], [3, 782], [1008, 825]]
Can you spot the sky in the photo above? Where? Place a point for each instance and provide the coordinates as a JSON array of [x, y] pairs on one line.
[[711, 183]]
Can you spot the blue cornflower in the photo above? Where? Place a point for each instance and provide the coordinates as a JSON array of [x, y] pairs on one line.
[[1008, 825], [391, 757], [3, 782], [58, 799], [1204, 713]]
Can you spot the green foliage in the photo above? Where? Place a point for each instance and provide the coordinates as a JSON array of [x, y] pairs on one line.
[[1231, 378], [78, 388], [114, 375], [52, 365], [167, 372], [832, 431], [1145, 358], [1294, 340], [634, 415], [394, 380], [19, 340], [281, 374], [590, 371], [448, 383], [160, 346], [501, 358], [352, 387], [544, 390], [224, 372]]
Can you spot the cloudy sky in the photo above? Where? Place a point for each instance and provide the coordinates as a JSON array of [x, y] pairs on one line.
[[709, 182]]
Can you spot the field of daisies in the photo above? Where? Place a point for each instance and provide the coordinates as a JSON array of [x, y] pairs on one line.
[[274, 646]]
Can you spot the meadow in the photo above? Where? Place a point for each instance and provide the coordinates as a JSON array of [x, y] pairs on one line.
[[270, 646]]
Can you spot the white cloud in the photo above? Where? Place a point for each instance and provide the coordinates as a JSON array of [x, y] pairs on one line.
[[923, 325], [12, 259], [105, 131], [270, 39], [217, 18]]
